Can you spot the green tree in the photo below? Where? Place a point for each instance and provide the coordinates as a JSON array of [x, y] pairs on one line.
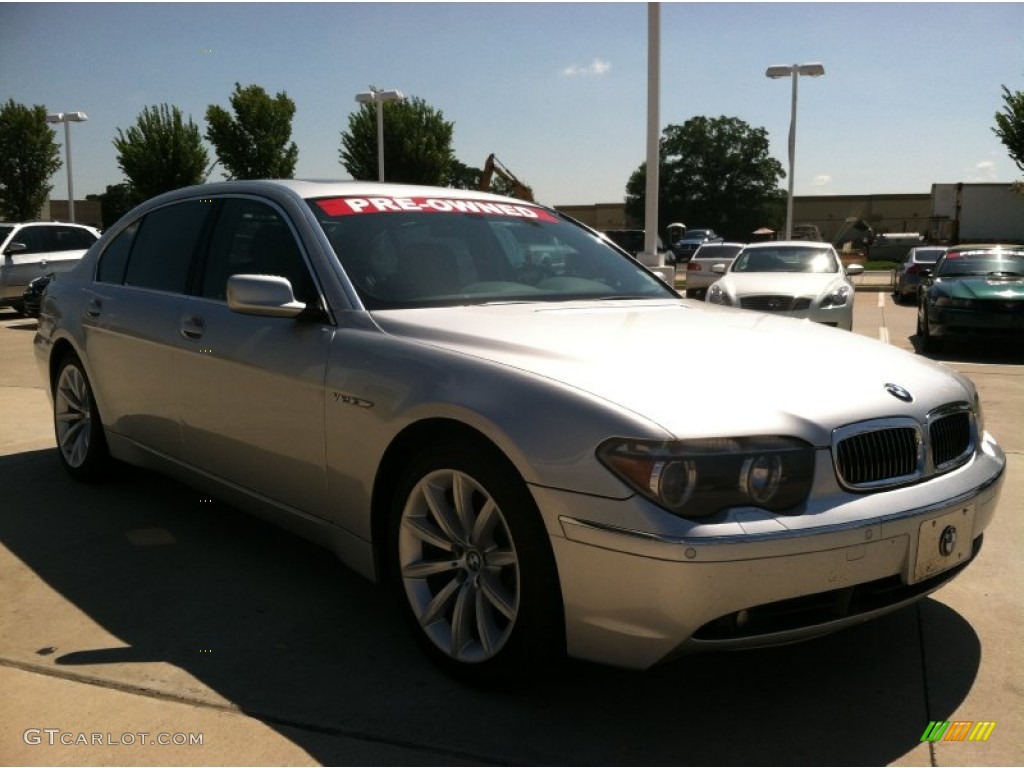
[[715, 172], [462, 176], [1010, 125], [254, 142], [114, 203], [161, 152], [417, 143], [29, 156]]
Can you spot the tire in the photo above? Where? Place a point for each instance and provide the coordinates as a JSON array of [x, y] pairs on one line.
[[81, 444], [473, 566], [929, 343]]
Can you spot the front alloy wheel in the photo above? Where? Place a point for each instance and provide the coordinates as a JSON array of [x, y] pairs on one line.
[[475, 567]]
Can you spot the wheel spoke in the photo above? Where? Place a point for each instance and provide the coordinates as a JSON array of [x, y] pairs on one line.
[[462, 496], [497, 596], [436, 607], [488, 633], [500, 558], [462, 619], [442, 512], [425, 568], [423, 530], [484, 522]]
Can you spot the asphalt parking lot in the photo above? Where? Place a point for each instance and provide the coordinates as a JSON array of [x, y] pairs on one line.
[[136, 612]]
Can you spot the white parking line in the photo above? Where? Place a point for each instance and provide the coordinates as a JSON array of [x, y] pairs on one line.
[[881, 299], [883, 334]]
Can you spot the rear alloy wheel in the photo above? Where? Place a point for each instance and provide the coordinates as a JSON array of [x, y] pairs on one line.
[[81, 444], [474, 566]]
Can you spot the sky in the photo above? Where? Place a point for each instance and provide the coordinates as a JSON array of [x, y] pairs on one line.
[[558, 91]]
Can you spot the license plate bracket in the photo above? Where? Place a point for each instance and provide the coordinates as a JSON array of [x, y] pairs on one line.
[[944, 542]]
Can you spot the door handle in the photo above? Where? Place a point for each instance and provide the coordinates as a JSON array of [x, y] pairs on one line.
[[192, 327]]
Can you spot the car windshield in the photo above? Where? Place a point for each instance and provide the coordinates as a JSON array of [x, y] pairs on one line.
[[981, 263], [4, 232], [418, 252], [786, 259], [713, 251], [926, 255]]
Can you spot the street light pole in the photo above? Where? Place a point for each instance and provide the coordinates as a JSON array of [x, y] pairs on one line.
[[67, 118], [794, 72], [377, 97]]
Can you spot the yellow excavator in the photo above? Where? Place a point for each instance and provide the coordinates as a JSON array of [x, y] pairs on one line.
[[493, 167]]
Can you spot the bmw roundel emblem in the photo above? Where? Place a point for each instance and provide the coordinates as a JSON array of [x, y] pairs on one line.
[[899, 393], [947, 542]]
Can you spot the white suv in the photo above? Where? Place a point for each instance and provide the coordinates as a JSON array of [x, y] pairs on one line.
[[38, 248]]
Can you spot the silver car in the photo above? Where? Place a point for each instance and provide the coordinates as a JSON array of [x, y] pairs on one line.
[[700, 269], [39, 248], [793, 278], [459, 394]]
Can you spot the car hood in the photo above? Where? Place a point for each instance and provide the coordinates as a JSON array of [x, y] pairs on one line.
[[809, 284], [982, 288], [690, 368]]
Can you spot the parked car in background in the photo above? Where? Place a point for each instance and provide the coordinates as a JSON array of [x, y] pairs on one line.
[[908, 273], [807, 232], [378, 368], [632, 242], [685, 247], [699, 269], [33, 249], [973, 291], [33, 296], [793, 278]]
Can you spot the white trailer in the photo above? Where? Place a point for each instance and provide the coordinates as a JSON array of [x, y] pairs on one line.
[[976, 213]]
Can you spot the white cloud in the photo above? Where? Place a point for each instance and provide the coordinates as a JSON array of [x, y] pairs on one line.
[[823, 180], [983, 171], [597, 68]]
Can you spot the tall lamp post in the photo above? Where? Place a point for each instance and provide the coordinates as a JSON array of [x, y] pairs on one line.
[[379, 97], [794, 72], [67, 118]]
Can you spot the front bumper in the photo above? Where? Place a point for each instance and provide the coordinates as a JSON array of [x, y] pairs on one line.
[[966, 322], [635, 598]]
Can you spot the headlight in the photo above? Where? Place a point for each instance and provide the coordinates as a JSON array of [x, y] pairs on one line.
[[837, 298], [979, 416], [697, 478], [948, 302], [717, 295]]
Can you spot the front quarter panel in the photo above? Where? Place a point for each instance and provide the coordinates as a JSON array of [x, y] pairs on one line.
[[380, 385]]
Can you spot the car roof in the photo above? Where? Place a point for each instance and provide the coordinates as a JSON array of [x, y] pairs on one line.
[[986, 247], [777, 243], [313, 188], [45, 224]]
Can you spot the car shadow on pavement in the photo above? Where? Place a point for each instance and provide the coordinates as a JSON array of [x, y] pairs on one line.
[[276, 627]]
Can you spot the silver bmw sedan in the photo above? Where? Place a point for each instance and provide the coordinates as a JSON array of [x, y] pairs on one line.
[[462, 396]]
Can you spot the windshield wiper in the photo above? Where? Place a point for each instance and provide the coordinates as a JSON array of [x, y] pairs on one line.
[[1004, 274]]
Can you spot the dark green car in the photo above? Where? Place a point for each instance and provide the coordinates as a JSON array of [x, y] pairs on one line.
[[973, 290]]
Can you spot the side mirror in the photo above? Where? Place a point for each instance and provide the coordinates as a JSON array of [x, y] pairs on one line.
[[15, 248], [263, 296], [855, 269], [926, 273], [718, 269]]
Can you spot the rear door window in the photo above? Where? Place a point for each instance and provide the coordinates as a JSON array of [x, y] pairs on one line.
[[164, 246]]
